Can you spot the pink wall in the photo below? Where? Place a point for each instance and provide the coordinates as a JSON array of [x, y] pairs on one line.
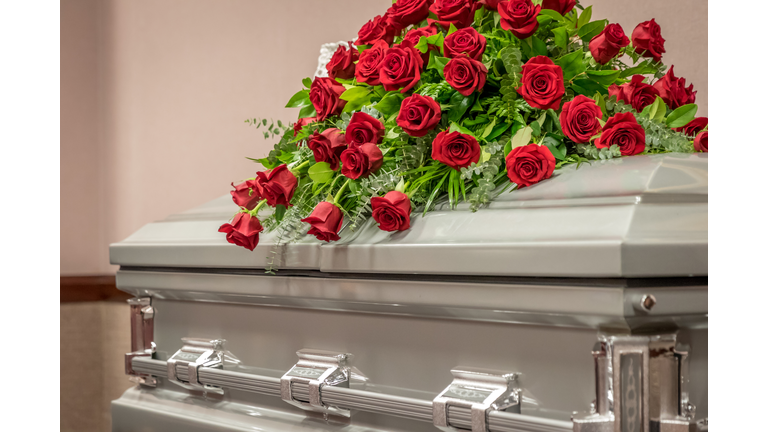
[[154, 94]]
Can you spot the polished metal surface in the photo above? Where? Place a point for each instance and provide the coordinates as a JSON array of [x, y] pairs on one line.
[[185, 364], [142, 338]]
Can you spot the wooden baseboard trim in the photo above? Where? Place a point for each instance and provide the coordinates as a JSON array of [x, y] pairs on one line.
[[90, 289]]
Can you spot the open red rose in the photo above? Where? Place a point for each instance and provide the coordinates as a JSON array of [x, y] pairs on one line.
[[561, 6], [519, 17], [466, 75], [243, 230], [401, 68], [694, 126], [464, 41], [361, 161], [277, 185], [647, 40], [636, 93], [342, 63], [455, 149], [624, 131], [367, 70], [542, 83], [326, 221], [392, 211], [418, 115], [246, 194], [415, 34], [324, 93], [363, 128], [375, 30], [606, 45], [490, 4], [673, 91], [529, 164], [460, 13], [406, 12], [700, 143], [579, 119], [301, 123], [327, 146]]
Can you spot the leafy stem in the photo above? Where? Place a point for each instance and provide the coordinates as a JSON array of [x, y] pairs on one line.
[[338, 194]]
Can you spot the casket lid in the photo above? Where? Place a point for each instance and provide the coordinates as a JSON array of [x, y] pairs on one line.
[[639, 216]]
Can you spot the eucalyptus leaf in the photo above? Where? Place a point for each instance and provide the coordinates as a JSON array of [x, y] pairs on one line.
[[682, 116], [320, 172]]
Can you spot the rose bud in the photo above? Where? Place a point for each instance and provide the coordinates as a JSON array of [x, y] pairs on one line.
[[490, 4], [246, 194], [465, 74], [694, 126], [700, 143], [460, 13], [375, 30], [465, 41], [392, 211], [363, 128], [243, 230], [326, 221], [342, 64], [542, 83], [529, 164], [415, 34], [327, 146], [367, 70], [406, 12], [455, 149], [560, 6], [418, 115], [579, 119], [360, 161], [606, 45], [647, 40], [673, 91], [624, 131], [324, 93], [519, 17], [301, 123], [636, 93], [277, 185], [401, 68]]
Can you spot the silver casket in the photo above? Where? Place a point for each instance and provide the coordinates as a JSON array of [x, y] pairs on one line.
[[579, 303]]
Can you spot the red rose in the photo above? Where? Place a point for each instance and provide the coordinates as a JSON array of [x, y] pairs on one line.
[[367, 70], [392, 211], [243, 230], [277, 185], [455, 149], [327, 147], [326, 221], [363, 129], [606, 45], [401, 68], [465, 41], [406, 12], [301, 123], [360, 161], [460, 13], [342, 64], [246, 194], [542, 83], [561, 6], [694, 126], [636, 93], [375, 30], [624, 131], [418, 115], [415, 34], [700, 143], [490, 4], [579, 119], [324, 94], [673, 91], [529, 164], [519, 17], [647, 40], [465, 74]]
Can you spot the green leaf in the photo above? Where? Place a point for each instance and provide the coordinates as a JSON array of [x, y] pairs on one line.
[[307, 82], [555, 15], [320, 172], [587, 87], [539, 46], [438, 63], [585, 16], [543, 19], [682, 116], [488, 129], [522, 137], [455, 127], [401, 185], [652, 110], [300, 99], [451, 29], [572, 64], [497, 131], [554, 146], [561, 35], [459, 105], [390, 103], [641, 69], [279, 212], [355, 93], [604, 77], [308, 111], [600, 100], [535, 128], [590, 30]]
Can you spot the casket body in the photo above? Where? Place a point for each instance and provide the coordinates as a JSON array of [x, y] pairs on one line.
[[527, 285]]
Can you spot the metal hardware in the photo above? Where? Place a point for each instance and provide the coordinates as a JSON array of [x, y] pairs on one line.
[[641, 386], [142, 338], [183, 367], [481, 391]]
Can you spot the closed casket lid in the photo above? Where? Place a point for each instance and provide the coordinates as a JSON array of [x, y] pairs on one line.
[[639, 216]]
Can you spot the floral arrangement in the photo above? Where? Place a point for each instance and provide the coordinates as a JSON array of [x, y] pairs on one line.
[[464, 100]]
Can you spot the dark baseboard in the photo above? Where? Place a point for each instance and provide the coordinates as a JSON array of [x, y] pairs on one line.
[[90, 289]]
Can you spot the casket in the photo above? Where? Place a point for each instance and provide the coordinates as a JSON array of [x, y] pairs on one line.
[[579, 303]]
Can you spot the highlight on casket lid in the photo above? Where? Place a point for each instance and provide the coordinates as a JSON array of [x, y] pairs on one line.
[[466, 100]]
